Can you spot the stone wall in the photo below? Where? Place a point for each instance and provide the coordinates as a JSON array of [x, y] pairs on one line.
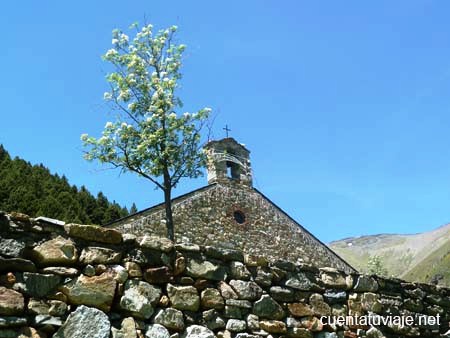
[[206, 217], [80, 281]]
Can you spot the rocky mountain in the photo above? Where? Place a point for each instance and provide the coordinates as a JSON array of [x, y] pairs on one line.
[[423, 257]]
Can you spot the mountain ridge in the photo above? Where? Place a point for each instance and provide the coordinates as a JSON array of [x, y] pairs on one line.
[[418, 257]]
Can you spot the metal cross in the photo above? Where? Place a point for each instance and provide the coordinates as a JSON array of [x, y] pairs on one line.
[[226, 129]]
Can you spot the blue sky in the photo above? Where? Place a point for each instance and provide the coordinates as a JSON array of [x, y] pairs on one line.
[[345, 106]]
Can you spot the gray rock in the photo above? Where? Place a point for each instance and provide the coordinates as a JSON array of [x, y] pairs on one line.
[[99, 255], [11, 302], [239, 271], [38, 307], [55, 251], [366, 284], [42, 320], [11, 247], [266, 307], [282, 294], [139, 298], [333, 297], [253, 322], [300, 281], [12, 322], [245, 304], [183, 297], [236, 325], [170, 318], [205, 269], [197, 331], [263, 277], [156, 243], [93, 233], [85, 322], [213, 320], [127, 330], [224, 254], [211, 299], [246, 290], [57, 308], [40, 285], [97, 291], [16, 264], [157, 331]]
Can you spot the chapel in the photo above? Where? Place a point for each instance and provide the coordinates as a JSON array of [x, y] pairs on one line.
[[229, 212]]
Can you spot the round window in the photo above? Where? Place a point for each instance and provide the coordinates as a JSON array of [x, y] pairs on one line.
[[239, 216]]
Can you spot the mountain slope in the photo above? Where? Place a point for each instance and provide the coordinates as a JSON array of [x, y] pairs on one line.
[[33, 190], [419, 257]]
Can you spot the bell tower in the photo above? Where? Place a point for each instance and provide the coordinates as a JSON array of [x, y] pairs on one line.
[[228, 162]]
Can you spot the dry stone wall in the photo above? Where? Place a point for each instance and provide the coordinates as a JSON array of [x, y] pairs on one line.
[[80, 281]]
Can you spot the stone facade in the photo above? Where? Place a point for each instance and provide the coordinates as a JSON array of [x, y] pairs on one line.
[[230, 213], [208, 217], [78, 281]]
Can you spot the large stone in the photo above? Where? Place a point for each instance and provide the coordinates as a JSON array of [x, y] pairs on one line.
[[333, 278], [246, 290], [11, 247], [96, 291], [16, 264], [183, 297], [224, 254], [319, 306], [158, 275], [211, 299], [140, 298], [300, 281], [366, 284], [170, 318], [371, 302], [197, 331], [266, 307], [300, 309], [205, 269], [273, 326], [157, 331], [94, 233], [38, 307], [40, 285], [12, 321], [61, 271], [239, 271], [156, 243], [282, 294], [55, 251], [333, 297], [43, 320], [236, 325], [127, 329], [23, 332], [11, 302], [227, 291], [213, 320], [98, 255], [85, 322]]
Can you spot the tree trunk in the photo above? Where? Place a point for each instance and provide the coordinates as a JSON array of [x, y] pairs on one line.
[[168, 206]]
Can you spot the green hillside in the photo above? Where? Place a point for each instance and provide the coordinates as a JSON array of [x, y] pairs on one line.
[[33, 190], [435, 267], [421, 257]]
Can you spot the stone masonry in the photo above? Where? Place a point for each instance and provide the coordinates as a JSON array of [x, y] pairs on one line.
[[78, 281]]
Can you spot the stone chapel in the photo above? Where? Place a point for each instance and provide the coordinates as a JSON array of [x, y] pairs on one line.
[[229, 212]]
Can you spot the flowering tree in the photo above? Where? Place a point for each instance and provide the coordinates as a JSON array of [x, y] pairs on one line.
[[148, 137]]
